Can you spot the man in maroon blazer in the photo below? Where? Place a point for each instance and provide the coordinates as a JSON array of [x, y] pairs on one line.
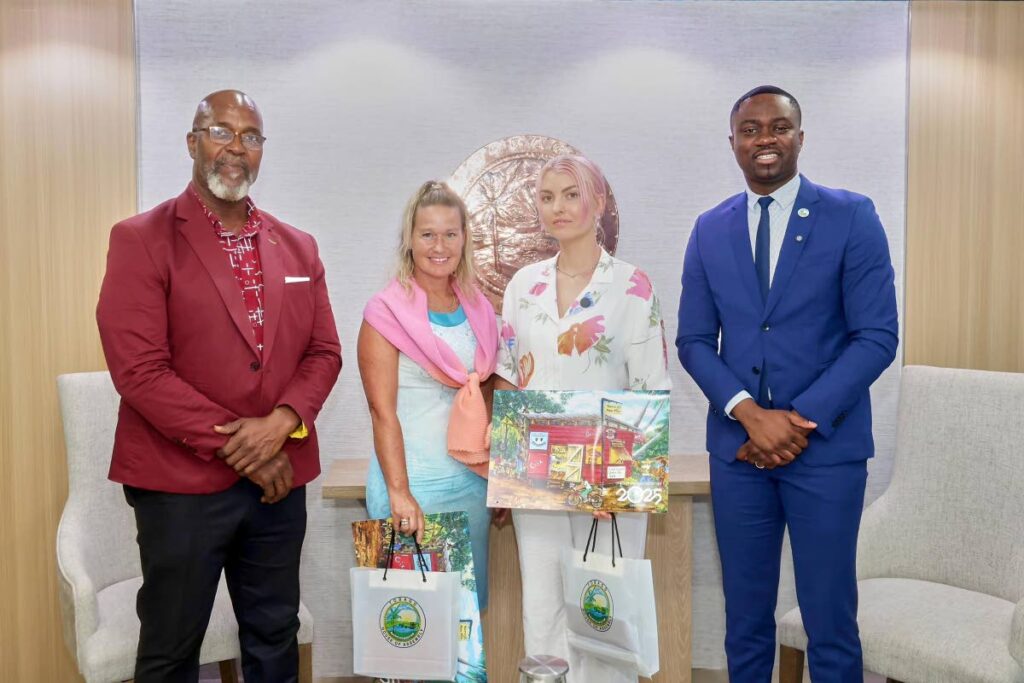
[[219, 336]]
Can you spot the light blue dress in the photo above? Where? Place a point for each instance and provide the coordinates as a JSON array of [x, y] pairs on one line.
[[437, 481]]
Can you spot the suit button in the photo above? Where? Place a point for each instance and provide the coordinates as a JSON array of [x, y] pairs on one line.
[[756, 370], [254, 366], [765, 327]]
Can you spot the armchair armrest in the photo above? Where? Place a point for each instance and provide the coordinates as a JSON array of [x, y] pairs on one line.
[[1017, 634], [78, 605]]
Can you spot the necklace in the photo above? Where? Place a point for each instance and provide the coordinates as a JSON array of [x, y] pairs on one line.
[[448, 306], [576, 275]]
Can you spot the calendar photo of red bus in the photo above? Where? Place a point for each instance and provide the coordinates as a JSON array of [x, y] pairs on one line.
[[580, 450]]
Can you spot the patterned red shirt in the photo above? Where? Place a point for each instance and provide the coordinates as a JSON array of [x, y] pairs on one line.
[[244, 256]]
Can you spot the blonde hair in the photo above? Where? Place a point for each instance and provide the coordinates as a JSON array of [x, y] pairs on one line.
[[435, 193]]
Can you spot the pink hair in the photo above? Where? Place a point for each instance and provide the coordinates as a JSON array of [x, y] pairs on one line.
[[584, 172]]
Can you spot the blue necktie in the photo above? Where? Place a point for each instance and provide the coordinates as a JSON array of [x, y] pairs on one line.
[[762, 265], [762, 249]]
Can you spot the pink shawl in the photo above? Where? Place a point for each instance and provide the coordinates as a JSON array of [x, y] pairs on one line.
[[400, 315]]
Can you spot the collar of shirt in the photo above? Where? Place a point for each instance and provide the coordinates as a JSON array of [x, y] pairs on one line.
[[252, 225], [604, 272], [783, 197]]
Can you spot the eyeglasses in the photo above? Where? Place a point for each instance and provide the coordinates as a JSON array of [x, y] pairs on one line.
[[225, 136]]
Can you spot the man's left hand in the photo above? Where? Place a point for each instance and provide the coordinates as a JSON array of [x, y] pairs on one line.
[[255, 440], [802, 423]]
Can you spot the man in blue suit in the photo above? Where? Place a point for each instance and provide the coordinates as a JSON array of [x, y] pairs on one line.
[[787, 315]]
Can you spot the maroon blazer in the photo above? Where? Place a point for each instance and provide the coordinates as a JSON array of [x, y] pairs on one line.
[[181, 352]]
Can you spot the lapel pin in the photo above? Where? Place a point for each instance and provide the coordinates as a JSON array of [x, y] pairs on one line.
[[803, 213], [799, 238]]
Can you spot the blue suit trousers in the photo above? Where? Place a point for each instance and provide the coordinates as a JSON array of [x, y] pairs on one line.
[[821, 506]]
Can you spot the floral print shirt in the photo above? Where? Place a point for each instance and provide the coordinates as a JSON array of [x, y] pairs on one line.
[[611, 337]]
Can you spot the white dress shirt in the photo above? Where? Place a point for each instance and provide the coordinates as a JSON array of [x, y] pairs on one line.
[[779, 212]]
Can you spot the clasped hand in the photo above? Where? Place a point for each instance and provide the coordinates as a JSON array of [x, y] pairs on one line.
[[253, 450], [274, 477], [776, 437]]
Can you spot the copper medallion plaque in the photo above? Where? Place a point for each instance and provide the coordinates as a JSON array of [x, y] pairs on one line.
[[497, 182]]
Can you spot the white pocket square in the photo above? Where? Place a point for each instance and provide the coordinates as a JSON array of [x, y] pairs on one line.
[[288, 279]]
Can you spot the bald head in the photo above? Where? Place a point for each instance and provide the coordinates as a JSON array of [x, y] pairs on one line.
[[223, 100]]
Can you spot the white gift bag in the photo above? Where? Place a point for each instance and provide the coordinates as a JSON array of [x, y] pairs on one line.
[[405, 624], [609, 605]]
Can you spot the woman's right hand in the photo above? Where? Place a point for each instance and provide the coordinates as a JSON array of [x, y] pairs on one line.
[[500, 517], [406, 514]]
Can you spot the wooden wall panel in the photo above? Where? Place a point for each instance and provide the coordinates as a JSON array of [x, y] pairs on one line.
[[67, 172], [965, 203]]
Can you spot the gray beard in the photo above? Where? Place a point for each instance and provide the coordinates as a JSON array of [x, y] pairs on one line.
[[225, 193]]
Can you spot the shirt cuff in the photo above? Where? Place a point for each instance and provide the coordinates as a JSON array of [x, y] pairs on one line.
[[741, 396], [300, 432]]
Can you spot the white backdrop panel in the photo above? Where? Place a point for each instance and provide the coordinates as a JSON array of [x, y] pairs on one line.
[[364, 100]]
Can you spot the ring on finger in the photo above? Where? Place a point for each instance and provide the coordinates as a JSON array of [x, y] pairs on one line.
[[404, 522]]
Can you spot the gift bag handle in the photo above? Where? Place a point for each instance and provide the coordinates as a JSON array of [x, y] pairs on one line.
[[592, 539], [423, 562], [419, 556]]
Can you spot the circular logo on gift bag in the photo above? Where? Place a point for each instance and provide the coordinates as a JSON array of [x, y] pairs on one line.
[[402, 622], [596, 605]]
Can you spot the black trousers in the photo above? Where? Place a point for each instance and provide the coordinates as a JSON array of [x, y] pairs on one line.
[[185, 540]]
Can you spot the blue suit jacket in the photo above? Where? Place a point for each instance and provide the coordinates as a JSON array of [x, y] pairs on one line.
[[827, 331]]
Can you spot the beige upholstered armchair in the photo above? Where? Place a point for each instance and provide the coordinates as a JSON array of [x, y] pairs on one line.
[[940, 560], [97, 557]]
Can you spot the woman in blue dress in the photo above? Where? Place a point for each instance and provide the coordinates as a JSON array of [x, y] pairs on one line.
[[428, 343]]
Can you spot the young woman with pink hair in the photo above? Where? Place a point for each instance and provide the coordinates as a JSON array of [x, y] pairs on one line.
[[581, 320]]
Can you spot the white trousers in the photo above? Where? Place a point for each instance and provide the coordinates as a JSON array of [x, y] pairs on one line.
[[541, 536]]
